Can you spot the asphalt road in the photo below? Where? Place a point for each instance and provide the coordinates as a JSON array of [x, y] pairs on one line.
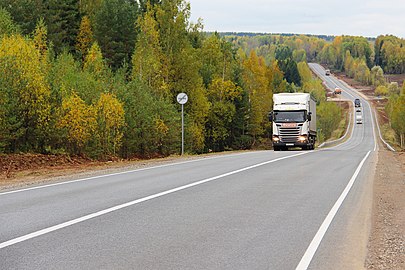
[[253, 210]]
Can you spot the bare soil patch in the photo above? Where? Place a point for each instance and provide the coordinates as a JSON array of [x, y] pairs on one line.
[[399, 78], [22, 170], [17, 170]]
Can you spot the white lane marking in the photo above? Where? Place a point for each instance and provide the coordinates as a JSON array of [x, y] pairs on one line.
[[316, 66], [364, 101], [351, 119], [379, 133], [373, 124], [313, 246], [118, 207], [120, 173]]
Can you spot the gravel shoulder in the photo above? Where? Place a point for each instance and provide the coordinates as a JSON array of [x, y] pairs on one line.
[[386, 246]]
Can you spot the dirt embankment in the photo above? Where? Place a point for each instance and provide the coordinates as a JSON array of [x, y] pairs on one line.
[[19, 170], [22, 169]]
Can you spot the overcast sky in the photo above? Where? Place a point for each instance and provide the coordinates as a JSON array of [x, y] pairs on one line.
[[330, 17]]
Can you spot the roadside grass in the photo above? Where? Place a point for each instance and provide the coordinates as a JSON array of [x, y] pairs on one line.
[[387, 133], [343, 125], [390, 136]]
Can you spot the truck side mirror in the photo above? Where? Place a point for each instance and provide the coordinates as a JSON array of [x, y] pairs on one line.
[[309, 117], [270, 116]]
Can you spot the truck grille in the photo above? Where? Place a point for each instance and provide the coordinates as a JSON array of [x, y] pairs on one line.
[[289, 135]]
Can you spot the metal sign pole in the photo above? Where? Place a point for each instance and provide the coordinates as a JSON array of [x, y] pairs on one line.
[[182, 129], [182, 99]]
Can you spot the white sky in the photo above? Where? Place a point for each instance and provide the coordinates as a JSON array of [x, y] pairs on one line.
[[330, 17]]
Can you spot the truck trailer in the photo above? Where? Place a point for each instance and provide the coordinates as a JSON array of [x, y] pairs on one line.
[[294, 121]]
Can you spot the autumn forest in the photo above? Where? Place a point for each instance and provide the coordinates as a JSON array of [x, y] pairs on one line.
[[100, 78]]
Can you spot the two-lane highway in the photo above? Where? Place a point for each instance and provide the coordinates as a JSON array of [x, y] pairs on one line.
[[253, 210]]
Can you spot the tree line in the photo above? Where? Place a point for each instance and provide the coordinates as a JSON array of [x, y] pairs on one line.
[[99, 78], [366, 60]]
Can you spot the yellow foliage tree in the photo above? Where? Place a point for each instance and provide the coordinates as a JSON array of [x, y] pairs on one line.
[[222, 112], [220, 90], [94, 62], [85, 37], [78, 120], [260, 93], [147, 60], [26, 92], [41, 37], [161, 130], [305, 72], [111, 120]]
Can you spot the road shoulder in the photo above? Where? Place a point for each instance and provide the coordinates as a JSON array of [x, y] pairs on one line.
[[386, 247]]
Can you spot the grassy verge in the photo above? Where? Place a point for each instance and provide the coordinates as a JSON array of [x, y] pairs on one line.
[[341, 130], [341, 127], [390, 136]]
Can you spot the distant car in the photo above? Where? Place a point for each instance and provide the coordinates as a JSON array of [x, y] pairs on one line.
[[327, 72], [357, 102], [337, 91]]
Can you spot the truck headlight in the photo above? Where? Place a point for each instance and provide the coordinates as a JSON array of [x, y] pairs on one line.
[[276, 139], [302, 138]]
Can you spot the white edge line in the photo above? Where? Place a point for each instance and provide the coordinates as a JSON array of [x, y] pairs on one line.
[[350, 117], [345, 142], [369, 105], [118, 207], [379, 133], [377, 124], [373, 124], [344, 135], [119, 173], [313, 246]]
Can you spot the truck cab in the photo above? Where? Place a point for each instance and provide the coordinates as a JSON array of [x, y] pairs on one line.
[[294, 121]]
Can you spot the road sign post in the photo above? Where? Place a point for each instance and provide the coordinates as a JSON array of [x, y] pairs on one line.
[[182, 99]]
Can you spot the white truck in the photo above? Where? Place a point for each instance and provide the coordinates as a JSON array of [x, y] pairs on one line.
[[359, 115], [294, 121]]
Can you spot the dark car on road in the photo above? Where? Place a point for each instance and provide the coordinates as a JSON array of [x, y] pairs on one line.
[[357, 102]]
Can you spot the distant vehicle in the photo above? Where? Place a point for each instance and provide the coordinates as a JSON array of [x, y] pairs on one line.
[[327, 72], [359, 117], [337, 91], [357, 102], [294, 121]]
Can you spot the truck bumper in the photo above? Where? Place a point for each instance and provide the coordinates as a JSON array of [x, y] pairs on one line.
[[294, 144]]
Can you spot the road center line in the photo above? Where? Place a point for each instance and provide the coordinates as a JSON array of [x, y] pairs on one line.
[[121, 206], [313, 246]]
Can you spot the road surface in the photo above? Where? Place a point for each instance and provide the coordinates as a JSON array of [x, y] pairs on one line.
[[253, 210]]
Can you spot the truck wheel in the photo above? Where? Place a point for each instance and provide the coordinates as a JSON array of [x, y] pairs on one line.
[[276, 148]]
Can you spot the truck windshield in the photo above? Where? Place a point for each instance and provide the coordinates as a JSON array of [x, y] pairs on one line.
[[289, 116]]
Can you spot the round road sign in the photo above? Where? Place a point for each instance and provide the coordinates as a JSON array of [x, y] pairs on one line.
[[182, 98]]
